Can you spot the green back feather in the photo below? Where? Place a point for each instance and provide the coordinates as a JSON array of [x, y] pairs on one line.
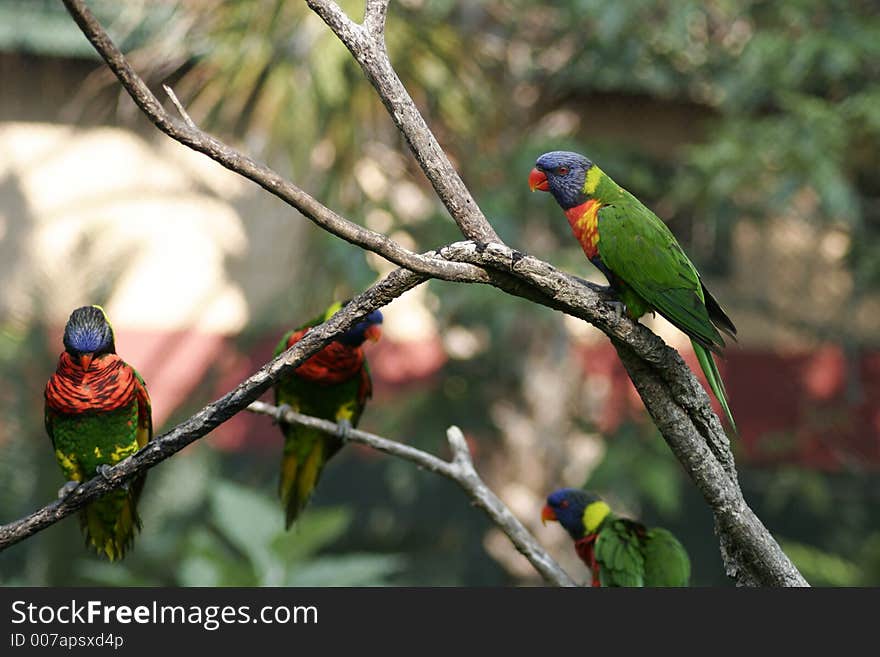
[[640, 249], [630, 555], [619, 555], [666, 560]]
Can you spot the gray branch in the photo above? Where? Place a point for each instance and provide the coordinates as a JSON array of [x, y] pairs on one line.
[[367, 45], [215, 413], [460, 470], [676, 401]]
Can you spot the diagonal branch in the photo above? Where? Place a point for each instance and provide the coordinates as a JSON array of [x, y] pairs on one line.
[[215, 413], [460, 470]]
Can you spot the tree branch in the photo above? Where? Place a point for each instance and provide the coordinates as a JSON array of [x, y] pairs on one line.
[[215, 413], [461, 470], [676, 401], [375, 13], [186, 133], [367, 45]]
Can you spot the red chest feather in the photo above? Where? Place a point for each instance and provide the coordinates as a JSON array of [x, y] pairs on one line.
[[586, 550], [107, 385], [335, 363], [584, 222]]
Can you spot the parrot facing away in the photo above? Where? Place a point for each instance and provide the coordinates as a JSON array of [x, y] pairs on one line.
[[97, 413], [618, 551], [333, 384], [638, 254]]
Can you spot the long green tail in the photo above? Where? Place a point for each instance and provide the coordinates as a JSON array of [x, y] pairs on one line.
[[713, 376], [305, 454]]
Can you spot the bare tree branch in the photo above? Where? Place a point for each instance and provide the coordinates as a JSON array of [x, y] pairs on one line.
[[242, 164], [670, 391], [215, 413], [461, 470], [367, 45]]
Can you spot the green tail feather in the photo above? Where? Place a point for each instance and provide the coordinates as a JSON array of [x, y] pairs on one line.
[[301, 468], [713, 376], [110, 523]]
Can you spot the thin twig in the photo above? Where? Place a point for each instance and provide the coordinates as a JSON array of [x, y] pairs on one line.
[[186, 117], [461, 470]]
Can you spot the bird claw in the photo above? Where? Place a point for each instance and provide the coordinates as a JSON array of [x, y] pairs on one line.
[[282, 410], [343, 431], [67, 489], [104, 470], [619, 308], [515, 257]]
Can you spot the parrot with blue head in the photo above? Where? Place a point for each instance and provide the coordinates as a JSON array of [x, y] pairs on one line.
[[618, 551], [638, 254], [97, 412]]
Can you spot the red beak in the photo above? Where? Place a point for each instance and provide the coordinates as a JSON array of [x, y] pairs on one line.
[[373, 333], [547, 513], [85, 360], [537, 180]]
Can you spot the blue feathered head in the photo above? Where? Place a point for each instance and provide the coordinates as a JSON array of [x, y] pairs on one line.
[[563, 174], [368, 328], [88, 334], [567, 506]]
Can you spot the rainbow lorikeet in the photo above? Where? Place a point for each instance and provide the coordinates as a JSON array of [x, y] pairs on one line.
[[638, 254], [98, 413], [618, 551], [333, 384]]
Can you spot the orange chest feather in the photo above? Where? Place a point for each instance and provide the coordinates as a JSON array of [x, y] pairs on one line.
[[107, 385], [584, 222]]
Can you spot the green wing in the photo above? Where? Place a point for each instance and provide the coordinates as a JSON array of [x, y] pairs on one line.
[[281, 347], [619, 555], [145, 411], [666, 560], [639, 249]]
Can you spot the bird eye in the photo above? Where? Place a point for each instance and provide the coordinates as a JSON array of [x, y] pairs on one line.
[[563, 504], [562, 170]]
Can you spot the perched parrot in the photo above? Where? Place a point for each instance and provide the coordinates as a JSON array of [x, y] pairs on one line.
[[618, 551], [97, 414], [637, 253], [333, 384]]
